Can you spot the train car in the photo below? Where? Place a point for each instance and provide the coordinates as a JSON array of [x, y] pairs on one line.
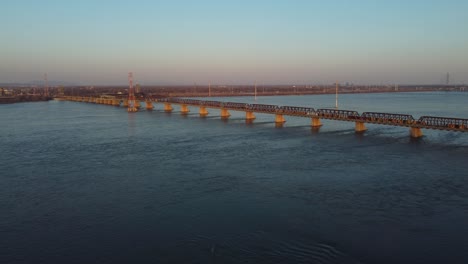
[[262, 107], [296, 110], [388, 118], [212, 103], [338, 114], [234, 105], [444, 122]]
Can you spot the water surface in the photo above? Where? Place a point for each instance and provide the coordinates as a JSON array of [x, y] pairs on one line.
[[85, 183]]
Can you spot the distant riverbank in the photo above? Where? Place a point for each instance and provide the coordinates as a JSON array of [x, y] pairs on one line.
[[23, 98]]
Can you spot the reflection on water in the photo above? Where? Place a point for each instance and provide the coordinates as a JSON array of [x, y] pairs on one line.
[[84, 183], [131, 124]]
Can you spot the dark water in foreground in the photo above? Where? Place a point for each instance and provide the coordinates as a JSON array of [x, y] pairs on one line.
[[84, 183]]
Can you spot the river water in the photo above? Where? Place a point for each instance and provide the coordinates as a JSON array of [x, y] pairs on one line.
[[86, 183]]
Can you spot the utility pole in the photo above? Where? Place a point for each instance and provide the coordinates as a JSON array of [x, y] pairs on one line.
[[46, 86], [336, 95], [255, 90]]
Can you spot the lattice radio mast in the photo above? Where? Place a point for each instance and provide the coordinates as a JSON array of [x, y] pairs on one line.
[[131, 94]]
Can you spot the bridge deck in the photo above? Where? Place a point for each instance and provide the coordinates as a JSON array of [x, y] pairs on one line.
[[389, 119]]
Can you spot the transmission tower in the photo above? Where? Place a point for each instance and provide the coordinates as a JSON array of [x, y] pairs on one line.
[[131, 95]]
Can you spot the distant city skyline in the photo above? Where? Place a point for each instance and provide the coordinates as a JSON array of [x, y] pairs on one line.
[[234, 42]]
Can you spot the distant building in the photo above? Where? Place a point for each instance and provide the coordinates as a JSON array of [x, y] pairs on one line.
[[61, 91]]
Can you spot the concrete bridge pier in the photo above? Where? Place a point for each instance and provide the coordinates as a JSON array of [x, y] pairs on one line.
[[203, 112], [279, 119], [184, 109], [360, 127], [167, 107], [225, 113], [315, 123], [249, 116], [149, 105], [415, 132]]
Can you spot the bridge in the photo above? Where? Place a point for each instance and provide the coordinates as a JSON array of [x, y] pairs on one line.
[[316, 115]]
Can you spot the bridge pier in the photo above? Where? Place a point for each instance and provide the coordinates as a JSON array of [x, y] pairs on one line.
[[416, 132], [149, 105], [279, 119], [249, 116], [167, 107], [184, 109], [225, 113], [360, 127], [203, 112], [315, 123]]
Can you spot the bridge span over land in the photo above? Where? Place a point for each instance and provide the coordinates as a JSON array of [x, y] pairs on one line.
[[315, 115]]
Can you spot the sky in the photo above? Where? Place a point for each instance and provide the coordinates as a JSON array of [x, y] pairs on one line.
[[97, 42]]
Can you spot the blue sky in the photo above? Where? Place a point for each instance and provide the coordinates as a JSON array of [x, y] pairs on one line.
[[234, 42]]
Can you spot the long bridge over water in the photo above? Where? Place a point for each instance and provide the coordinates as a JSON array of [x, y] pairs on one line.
[[391, 119]]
